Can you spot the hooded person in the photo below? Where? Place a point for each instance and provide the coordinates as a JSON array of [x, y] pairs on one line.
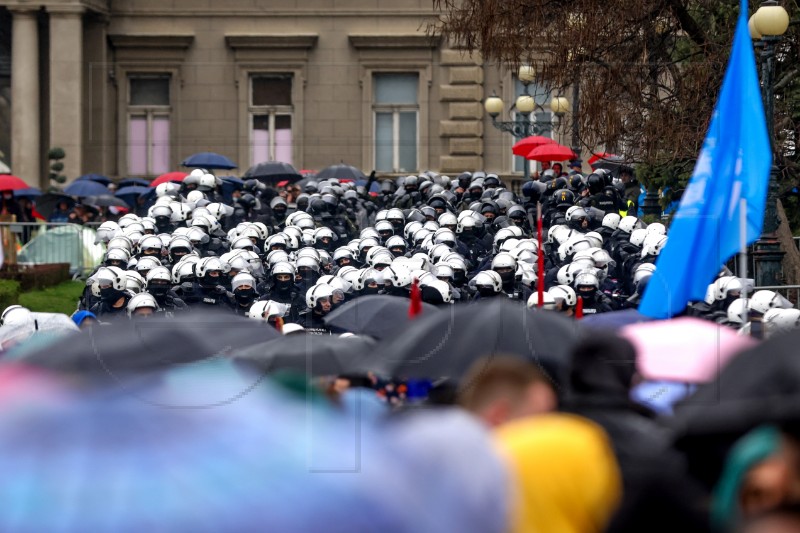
[[659, 496], [566, 478]]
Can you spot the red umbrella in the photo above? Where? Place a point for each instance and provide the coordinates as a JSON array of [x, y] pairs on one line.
[[524, 146], [597, 157], [169, 176], [551, 152], [12, 183]]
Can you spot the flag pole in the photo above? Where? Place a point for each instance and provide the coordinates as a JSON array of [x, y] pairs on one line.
[[540, 259], [743, 253]]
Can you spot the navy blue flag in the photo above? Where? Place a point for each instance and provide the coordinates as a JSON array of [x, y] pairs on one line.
[[733, 165]]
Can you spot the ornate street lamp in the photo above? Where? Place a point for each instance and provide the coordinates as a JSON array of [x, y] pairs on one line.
[[525, 104], [767, 25]]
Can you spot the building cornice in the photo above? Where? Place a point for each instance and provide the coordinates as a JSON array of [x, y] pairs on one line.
[[175, 42], [414, 40], [304, 41]]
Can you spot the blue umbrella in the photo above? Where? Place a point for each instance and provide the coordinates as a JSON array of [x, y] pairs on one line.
[[230, 184], [99, 178], [86, 188], [375, 187], [208, 160], [27, 193], [132, 190], [127, 182]]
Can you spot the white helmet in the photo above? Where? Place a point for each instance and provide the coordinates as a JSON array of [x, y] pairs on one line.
[[113, 276], [142, 300], [549, 303], [487, 278], [654, 246], [637, 237], [657, 228], [206, 182], [564, 293], [504, 260], [642, 271], [134, 281], [763, 301], [777, 319], [629, 223], [317, 293], [167, 189], [243, 278], [15, 315], [736, 309], [442, 288], [266, 309], [566, 274], [106, 231], [611, 220]]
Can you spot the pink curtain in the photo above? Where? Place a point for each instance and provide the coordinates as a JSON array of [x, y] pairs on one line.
[[260, 146], [137, 146], [283, 145], [160, 163]]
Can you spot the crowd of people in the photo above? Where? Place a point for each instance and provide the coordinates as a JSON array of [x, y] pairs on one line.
[[505, 442], [464, 240]]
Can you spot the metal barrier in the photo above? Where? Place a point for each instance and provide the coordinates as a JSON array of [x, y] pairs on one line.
[[47, 243]]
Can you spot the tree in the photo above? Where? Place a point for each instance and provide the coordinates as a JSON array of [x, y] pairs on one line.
[[649, 71]]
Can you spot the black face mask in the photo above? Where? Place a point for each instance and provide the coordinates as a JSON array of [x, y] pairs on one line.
[[486, 292], [110, 294], [158, 291], [370, 290], [309, 276], [208, 282], [459, 278], [283, 286], [245, 297], [589, 297], [280, 214], [507, 277]]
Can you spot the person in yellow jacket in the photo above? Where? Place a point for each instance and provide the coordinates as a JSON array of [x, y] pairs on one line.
[[566, 478]]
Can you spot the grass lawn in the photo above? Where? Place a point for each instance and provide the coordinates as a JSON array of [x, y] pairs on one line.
[[62, 298]]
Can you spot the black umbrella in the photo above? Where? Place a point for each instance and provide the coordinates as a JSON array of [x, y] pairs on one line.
[[378, 316], [759, 386], [105, 200], [48, 202], [272, 172], [340, 172], [314, 355], [449, 342], [124, 348], [612, 163]]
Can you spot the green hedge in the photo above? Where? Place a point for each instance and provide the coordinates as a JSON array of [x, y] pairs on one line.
[[9, 293]]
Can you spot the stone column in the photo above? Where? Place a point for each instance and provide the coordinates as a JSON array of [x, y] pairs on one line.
[[66, 85], [464, 125], [25, 145]]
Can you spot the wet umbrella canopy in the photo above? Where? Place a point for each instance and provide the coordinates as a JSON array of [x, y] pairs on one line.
[[123, 349], [315, 355], [447, 343], [378, 316]]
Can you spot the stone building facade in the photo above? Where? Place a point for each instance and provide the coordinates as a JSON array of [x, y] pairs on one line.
[[132, 87]]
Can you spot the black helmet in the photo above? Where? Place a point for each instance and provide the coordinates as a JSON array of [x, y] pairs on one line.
[[595, 183], [531, 191], [247, 200], [576, 183], [556, 184], [565, 198]]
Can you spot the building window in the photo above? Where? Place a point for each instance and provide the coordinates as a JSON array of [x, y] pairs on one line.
[[542, 117], [396, 116], [149, 118], [271, 118]]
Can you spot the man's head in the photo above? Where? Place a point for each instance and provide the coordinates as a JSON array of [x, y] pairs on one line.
[[503, 388]]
